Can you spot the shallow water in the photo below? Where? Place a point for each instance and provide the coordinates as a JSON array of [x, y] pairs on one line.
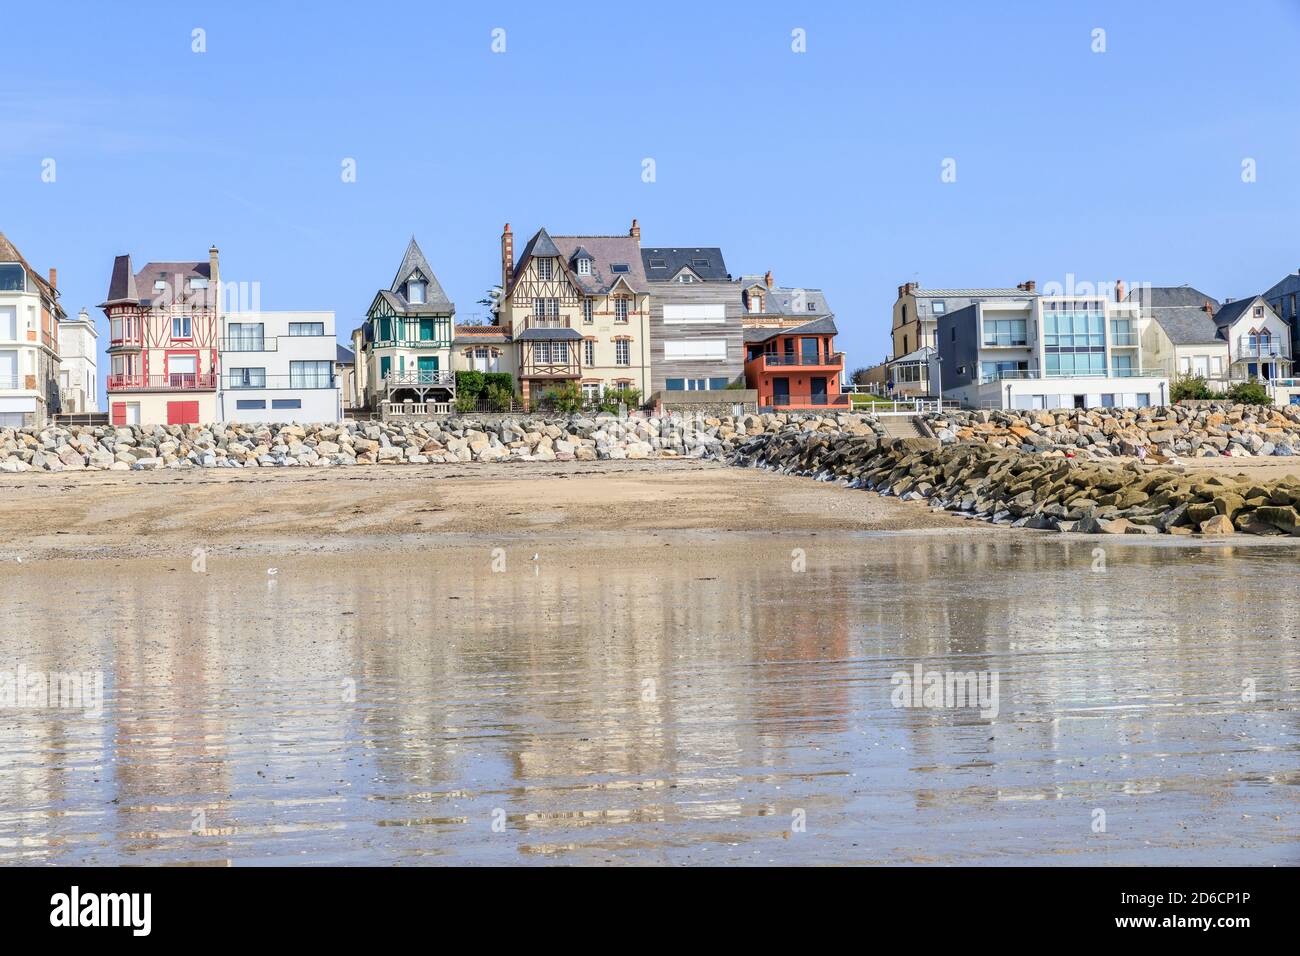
[[698, 701]]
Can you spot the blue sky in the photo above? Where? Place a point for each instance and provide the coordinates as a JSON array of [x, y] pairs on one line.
[[823, 166]]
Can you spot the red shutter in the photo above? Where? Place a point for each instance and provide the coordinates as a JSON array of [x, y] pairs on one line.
[[182, 413], [119, 413]]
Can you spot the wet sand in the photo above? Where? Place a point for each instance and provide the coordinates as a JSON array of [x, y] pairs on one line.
[[713, 688]]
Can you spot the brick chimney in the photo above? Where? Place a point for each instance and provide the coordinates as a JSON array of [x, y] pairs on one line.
[[1119, 290], [507, 258], [1029, 285], [768, 278], [211, 295], [1208, 307], [635, 231], [54, 278]]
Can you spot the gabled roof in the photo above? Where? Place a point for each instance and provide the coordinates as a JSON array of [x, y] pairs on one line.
[[1165, 297], [781, 300], [413, 263], [822, 326], [605, 253], [705, 261], [344, 356], [9, 253], [916, 355], [1288, 283], [126, 288], [1230, 312], [1180, 311]]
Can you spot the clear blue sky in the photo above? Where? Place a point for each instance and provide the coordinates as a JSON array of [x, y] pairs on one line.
[[822, 166]]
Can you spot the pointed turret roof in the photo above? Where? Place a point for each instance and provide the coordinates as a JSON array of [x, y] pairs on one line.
[[413, 263]]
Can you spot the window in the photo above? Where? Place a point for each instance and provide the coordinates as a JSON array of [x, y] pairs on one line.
[[246, 378], [675, 384], [159, 285], [591, 392], [938, 307], [657, 263], [588, 312], [182, 370], [306, 328], [619, 268], [686, 278], [198, 283], [544, 267], [245, 337], [547, 310], [584, 267], [385, 366], [710, 314], [13, 277], [621, 309], [286, 403], [589, 352], [9, 324], [181, 327], [311, 374], [1004, 332], [812, 306], [699, 263], [249, 404], [622, 352], [1259, 311], [414, 292]]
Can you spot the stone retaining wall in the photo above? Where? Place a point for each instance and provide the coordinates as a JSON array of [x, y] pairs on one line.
[[450, 440], [1208, 429], [1007, 486]]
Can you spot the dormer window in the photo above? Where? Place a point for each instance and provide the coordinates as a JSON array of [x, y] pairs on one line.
[[544, 268], [687, 277], [699, 263], [619, 268], [584, 267], [198, 283], [415, 291], [13, 277], [656, 263], [812, 306], [159, 285]]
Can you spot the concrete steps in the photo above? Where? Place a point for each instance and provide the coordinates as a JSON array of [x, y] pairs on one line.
[[901, 426]]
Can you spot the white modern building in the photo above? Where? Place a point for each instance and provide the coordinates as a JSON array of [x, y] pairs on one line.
[[278, 367], [1047, 352], [78, 366], [29, 341]]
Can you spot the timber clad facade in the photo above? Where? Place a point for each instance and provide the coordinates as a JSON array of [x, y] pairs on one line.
[[695, 320], [163, 342], [29, 341], [405, 342]]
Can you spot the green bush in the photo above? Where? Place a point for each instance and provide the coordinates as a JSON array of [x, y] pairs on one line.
[[470, 383], [500, 379], [465, 402], [499, 398], [1250, 393], [1189, 387], [567, 398], [739, 383]]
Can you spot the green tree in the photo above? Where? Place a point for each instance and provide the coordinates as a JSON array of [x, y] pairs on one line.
[[1250, 393], [1188, 387]]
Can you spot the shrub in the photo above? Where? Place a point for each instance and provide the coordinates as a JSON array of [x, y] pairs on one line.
[[567, 398], [499, 398], [465, 402], [500, 379], [739, 383], [1188, 387], [470, 383], [1250, 393]]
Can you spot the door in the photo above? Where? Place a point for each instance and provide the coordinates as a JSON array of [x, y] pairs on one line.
[[809, 351], [181, 413], [182, 370], [781, 391], [1081, 401], [428, 368], [818, 383]]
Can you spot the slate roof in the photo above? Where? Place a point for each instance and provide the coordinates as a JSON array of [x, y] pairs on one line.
[[780, 300], [605, 252], [344, 356], [822, 326], [916, 355], [138, 289], [1230, 312], [972, 293], [675, 258], [436, 300], [1180, 311], [549, 335]]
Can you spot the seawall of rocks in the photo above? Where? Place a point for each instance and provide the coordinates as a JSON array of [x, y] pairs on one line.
[[1008, 486], [449, 440], [1206, 429]]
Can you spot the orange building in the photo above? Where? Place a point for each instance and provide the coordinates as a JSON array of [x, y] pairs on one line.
[[796, 367]]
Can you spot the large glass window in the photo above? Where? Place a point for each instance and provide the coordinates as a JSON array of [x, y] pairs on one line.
[[306, 328], [245, 337], [1005, 332], [305, 374], [246, 378], [13, 277]]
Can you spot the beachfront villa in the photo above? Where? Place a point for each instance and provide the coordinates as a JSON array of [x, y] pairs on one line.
[[404, 346], [79, 365], [1047, 352], [163, 342], [576, 309], [278, 366], [795, 368], [29, 341]]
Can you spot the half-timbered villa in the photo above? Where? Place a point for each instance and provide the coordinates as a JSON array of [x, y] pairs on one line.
[[577, 310], [406, 340], [163, 342]]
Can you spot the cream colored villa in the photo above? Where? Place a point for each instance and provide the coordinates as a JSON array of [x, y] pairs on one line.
[[575, 309], [29, 341]]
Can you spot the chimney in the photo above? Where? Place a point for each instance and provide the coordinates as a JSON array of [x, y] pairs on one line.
[[213, 292], [768, 278], [901, 290], [1119, 290], [1209, 309], [54, 278], [1029, 285], [507, 258], [83, 315], [635, 231]]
